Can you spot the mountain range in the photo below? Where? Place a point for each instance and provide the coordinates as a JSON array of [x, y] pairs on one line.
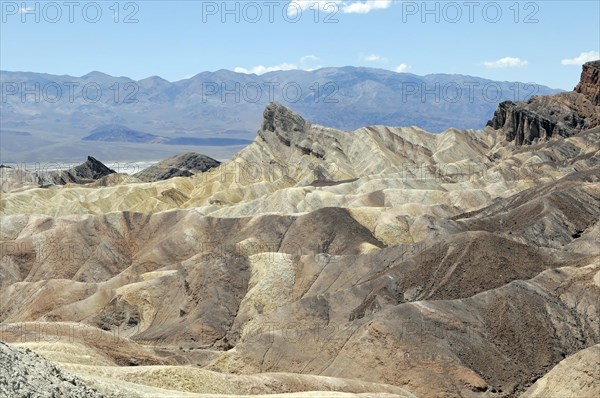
[[45, 117]]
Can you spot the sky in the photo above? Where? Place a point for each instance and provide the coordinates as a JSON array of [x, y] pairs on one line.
[[530, 41]]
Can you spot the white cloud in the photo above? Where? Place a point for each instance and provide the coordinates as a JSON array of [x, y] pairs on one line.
[[402, 68], [582, 58], [331, 6], [363, 7], [308, 58], [307, 62], [374, 58], [506, 62], [260, 69]]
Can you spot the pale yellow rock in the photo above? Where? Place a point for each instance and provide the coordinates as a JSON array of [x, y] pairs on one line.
[[577, 376]]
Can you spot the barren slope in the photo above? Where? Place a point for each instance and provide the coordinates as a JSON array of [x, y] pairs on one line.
[[380, 261]]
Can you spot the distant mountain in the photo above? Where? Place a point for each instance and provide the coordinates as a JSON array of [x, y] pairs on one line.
[[226, 104], [212, 141], [118, 133], [345, 98]]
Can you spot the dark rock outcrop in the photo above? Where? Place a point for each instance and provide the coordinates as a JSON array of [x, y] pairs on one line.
[[87, 172], [589, 85], [287, 125], [542, 117], [284, 126], [182, 165], [92, 169]]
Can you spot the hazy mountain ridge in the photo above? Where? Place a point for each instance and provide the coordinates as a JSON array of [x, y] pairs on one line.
[[208, 105], [373, 93], [118, 133]]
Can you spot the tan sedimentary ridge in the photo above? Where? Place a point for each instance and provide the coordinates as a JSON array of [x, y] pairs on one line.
[[381, 262], [394, 167]]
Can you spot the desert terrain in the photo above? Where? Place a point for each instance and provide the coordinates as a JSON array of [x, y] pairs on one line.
[[381, 262]]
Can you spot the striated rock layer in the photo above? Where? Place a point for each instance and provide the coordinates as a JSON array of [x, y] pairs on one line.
[[380, 262]]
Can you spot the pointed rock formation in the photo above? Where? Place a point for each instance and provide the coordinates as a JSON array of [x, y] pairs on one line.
[[182, 165], [87, 172], [290, 129], [92, 169], [16, 179]]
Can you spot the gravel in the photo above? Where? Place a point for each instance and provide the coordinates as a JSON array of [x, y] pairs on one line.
[[25, 374]]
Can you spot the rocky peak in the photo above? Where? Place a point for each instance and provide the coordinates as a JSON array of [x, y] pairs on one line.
[[542, 117], [589, 84], [182, 165], [89, 171], [283, 129], [287, 125], [92, 169]]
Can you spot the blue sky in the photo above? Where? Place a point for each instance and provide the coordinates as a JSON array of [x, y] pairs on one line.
[[541, 41]]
